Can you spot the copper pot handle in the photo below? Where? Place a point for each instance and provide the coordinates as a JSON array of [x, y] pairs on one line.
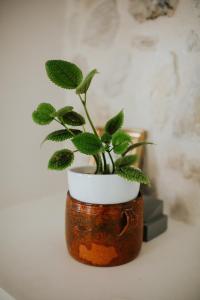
[[131, 219]]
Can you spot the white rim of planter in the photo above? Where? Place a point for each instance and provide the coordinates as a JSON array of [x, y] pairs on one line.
[[88, 187]]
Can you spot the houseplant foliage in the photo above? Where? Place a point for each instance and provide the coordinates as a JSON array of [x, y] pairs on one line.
[[69, 76]]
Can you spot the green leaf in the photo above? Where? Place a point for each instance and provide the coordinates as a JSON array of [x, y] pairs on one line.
[[75, 131], [43, 115], [87, 143], [133, 174], [61, 159], [126, 161], [58, 136], [63, 73], [133, 146], [83, 87], [115, 123], [120, 141], [106, 138], [61, 135], [63, 110], [73, 118]]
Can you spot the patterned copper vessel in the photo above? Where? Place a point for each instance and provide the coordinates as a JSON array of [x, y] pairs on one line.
[[104, 235]]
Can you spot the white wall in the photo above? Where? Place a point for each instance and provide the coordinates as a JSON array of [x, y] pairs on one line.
[[150, 69], [30, 33]]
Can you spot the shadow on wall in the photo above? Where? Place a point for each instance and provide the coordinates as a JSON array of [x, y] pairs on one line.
[[143, 10], [180, 212]]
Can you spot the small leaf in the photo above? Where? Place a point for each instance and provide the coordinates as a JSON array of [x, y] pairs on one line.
[[46, 108], [63, 110], [61, 135], [75, 131], [61, 159], [115, 123], [63, 73], [83, 87], [126, 161], [87, 143], [120, 141], [106, 138], [58, 136], [43, 115], [73, 118], [133, 174], [133, 146]]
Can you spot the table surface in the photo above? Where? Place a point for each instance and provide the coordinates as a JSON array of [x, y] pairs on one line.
[[35, 265]]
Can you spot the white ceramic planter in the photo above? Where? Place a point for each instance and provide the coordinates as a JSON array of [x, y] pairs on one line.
[[88, 187]]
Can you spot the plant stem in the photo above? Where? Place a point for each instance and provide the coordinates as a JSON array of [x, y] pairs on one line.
[[87, 114], [98, 163], [58, 121], [113, 164], [104, 164], [83, 101]]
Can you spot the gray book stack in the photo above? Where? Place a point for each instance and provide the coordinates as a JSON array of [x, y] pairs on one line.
[[155, 222]]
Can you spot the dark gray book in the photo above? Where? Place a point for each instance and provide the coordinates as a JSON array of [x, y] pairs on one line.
[[152, 207], [154, 228], [155, 222]]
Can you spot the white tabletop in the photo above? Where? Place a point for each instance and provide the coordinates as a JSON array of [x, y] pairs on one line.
[[35, 265]]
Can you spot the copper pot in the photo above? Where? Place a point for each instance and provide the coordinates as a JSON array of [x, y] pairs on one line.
[[104, 235]]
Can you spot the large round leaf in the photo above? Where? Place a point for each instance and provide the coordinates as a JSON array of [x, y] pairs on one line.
[[62, 111], [115, 123], [61, 159], [43, 115], [61, 135], [87, 143], [72, 118], [64, 73], [120, 140]]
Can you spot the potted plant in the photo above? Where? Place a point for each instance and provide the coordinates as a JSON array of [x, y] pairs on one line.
[[104, 215]]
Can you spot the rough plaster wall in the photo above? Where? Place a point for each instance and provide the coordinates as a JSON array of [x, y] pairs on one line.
[[143, 10], [152, 70]]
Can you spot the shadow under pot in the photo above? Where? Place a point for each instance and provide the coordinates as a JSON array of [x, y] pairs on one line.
[[106, 229]]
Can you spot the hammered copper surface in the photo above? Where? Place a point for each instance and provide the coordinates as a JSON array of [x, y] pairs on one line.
[[104, 235]]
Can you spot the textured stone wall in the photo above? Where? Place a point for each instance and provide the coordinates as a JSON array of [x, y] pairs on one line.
[[147, 53]]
